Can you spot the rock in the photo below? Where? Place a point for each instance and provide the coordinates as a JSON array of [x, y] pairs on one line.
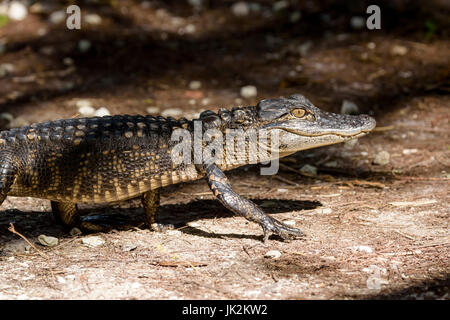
[[196, 3], [357, 22], [75, 232], [17, 11], [195, 85], [280, 5], [68, 61], [381, 158], [190, 28], [371, 45], [331, 164], [295, 16], [85, 108], [172, 112], [16, 246], [272, 254], [399, 50], [47, 240], [92, 18], [323, 211], [249, 92], [84, 45], [309, 169], [6, 69], [18, 122], [349, 107], [57, 17], [6, 116], [290, 223], [128, 247], [101, 112], [240, 9], [152, 110], [365, 249], [304, 48], [409, 151], [405, 74], [93, 241]]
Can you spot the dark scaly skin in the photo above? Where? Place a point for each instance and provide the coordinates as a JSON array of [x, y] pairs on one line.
[[108, 159]]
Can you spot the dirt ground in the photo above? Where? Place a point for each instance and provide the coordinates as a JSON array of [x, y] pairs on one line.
[[374, 231]]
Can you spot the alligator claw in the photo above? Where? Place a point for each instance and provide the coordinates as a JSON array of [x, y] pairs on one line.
[[274, 226]]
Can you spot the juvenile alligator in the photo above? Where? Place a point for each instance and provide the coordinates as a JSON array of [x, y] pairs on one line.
[[113, 158]]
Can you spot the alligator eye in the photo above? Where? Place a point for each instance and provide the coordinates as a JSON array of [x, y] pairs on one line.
[[299, 113]]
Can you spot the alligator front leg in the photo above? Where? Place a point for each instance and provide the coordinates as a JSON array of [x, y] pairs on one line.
[[221, 188]]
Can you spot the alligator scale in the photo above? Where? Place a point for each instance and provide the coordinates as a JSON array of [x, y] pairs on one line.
[[113, 158]]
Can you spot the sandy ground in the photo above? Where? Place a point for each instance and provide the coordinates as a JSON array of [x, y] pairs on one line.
[[373, 231]]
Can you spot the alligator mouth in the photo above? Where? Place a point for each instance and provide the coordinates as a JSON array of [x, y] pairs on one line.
[[359, 133]]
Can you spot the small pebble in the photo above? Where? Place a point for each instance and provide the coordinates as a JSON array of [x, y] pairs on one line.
[[6, 116], [6, 68], [365, 249], [280, 5], [381, 158], [93, 241], [405, 74], [152, 110], [331, 164], [349, 107], [272, 254], [289, 223], [190, 28], [84, 45], [68, 61], [58, 17], [371, 45], [75, 232], [193, 224], [399, 50], [101, 112], [249, 92], [47, 240], [205, 101], [17, 123], [409, 151], [309, 169], [85, 107], [196, 3], [240, 9], [172, 112], [295, 16], [195, 85], [17, 11], [93, 19], [303, 49], [128, 247], [357, 22], [323, 211], [282, 190]]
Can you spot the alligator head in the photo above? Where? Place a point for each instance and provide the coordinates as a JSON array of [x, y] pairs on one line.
[[301, 125]]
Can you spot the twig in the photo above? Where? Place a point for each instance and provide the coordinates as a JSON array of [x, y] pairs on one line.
[[286, 181], [13, 230]]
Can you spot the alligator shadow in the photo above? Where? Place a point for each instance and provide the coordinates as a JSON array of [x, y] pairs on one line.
[[32, 224]]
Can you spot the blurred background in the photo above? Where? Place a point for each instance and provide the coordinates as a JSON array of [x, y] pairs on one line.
[[177, 58]]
